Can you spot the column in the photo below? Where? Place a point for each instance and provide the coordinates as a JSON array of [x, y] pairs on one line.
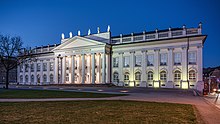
[[83, 68], [73, 69], [98, 74], [35, 73], [170, 65], [156, 64], [132, 66], [103, 68], [23, 74], [41, 71], [93, 68], [184, 64], [120, 66], [29, 73], [143, 66], [108, 68], [200, 83], [18, 73], [88, 69], [63, 70], [48, 71], [56, 70]]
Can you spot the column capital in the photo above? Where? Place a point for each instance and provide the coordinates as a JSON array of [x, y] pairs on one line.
[[144, 50], [170, 49], [155, 50], [132, 51]]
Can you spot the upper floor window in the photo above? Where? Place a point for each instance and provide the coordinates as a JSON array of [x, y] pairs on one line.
[[150, 76], [192, 57], [115, 62], [32, 67], [115, 77], [163, 59], [26, 67], [150, 60], [51, 66], [177, 58], [21, 68], [38, 66], [44, 66], [137, 61], [126, 61]]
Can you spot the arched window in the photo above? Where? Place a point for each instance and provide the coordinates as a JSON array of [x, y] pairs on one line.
[[192, 75], [163, 76], [150, 76], [51, 77], [21, 78], [32, 78], [126, 76], [177, 75], [26, 78], [138, 76], [44, 78], [115, 77]]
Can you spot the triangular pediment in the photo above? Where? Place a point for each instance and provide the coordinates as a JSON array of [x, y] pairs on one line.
[[78, 42]]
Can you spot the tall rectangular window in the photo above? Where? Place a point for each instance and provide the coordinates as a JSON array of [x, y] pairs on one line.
[[177, 58], [26, 67], [21, 68], [163, 59], [38, 66], [51, 66], [137, 61], [126, 61], [44, 66], [115, 62], [192, 57], [32, 67], [150, 60]]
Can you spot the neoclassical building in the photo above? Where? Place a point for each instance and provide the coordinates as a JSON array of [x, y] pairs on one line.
[[170, 58]]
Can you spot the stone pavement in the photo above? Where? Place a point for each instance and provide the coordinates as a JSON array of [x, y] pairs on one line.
[[207, 110]]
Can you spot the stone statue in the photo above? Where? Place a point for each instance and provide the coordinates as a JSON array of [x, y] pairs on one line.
[[62, 36], [98, 30], [89, 32], [79, 33], [71, 34], [108, 29]]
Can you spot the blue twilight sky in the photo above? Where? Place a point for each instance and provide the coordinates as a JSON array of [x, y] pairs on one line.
[[41, 22]]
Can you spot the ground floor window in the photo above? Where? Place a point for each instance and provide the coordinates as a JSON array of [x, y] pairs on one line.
[[44, 78], [51, 77], [150, 76], [115, 77], [32, 78], [192, 75], [21, 78], [137, 76], [126, 76], [26, 78], [177, 76], [163, 76]]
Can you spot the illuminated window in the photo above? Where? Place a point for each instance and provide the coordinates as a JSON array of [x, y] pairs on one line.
[[126, 76], [177, 58], [192, 57], [51, 66], [67, 77], [115, 77], [177, 75], [150, 60], [115, 62], [163, 59], [192, 75], [38, 66], [137, 61], [138, 76], [163, 76], [150, 76], [126, 61]]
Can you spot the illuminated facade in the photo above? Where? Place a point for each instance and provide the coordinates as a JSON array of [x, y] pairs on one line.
[[170, 58]]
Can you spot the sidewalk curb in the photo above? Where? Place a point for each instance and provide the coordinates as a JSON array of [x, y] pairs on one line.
[[212, 104]]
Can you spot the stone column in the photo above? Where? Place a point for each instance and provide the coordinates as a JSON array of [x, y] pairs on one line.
[[73, 69], [120, 66], [23, 74], [108, 68], [143, 66], [170, 68], [48, 71], [56, 70], [18, 73], [41, 72], [103, 68], [83, 68], [156, 64], [199, 60], [29, 73], [184, 64], [93, 68], [88, 64], [132, 66], [35, 73], [98, 74], [63, 70]]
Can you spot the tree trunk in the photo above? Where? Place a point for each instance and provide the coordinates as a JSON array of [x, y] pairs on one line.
[[7, 79]]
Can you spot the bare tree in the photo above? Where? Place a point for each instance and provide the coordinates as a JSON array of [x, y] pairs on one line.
[[11, 54]]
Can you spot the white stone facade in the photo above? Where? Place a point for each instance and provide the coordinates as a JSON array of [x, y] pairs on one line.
[[169, 58]]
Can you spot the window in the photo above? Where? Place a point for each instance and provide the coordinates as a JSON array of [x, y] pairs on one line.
[[126, 61], [126, 76], [32, 67], [115, 62], [192, 57], [26, 67], [51, 66], [38, 78], [163, 76], [51, 77], [138, 76], [177, 58], [115, 77], [44, 78], [67, 64], [192, 75], [26, 78], [44, 66], [38, 66], [21, 78], [150, 76], [150, 60], [177, 75], [21, 68], [163, 59], [32, 78], [137, 61], [67, 77]]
